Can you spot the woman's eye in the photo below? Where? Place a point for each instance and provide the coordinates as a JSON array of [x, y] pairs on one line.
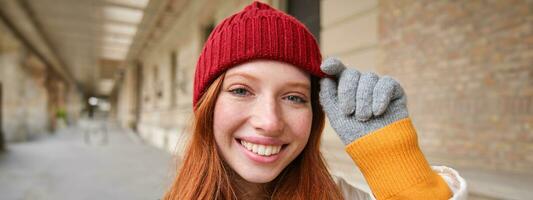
[[296, 99], [239, 92]]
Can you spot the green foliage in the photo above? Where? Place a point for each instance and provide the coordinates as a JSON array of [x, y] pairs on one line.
[[61, 113]]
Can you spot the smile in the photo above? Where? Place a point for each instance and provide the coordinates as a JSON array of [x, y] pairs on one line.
[[262, 150]]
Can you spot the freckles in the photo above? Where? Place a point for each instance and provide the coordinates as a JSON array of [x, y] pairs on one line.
[[228, 110], [221, 113], [301, 124], [227, 116]]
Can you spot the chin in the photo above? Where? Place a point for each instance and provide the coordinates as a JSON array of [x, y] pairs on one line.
[[258, 177]]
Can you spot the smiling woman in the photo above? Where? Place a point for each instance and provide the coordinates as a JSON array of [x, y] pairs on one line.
[[259, 115], [243, 115], [260, 111]]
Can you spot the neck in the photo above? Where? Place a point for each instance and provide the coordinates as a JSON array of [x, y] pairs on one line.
[[252, 191], [248, 190]]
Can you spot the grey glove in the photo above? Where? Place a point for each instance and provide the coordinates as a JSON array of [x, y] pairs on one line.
[[361, 102]]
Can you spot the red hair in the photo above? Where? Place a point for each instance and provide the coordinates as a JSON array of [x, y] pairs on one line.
[[204, 175]]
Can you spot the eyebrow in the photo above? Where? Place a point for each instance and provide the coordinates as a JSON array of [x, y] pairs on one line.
[[299, 84], [253, 78], [243, 75]]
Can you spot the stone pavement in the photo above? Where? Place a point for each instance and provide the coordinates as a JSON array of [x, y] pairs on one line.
[[68, 165], [85, 163]]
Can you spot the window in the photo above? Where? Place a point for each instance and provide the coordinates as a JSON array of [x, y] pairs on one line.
[[308, 12], [173, 79], [207, 31], [157, 83]]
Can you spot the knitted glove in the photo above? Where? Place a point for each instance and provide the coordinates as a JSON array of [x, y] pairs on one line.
[[360, 102]]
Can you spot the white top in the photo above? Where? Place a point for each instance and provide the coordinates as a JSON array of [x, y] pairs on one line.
[[456, 183]]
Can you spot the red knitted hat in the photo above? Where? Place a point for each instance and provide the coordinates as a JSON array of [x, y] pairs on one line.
[[257, 32]]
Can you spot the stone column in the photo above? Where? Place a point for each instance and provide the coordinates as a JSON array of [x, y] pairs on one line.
[[56, 90], [2, 147]]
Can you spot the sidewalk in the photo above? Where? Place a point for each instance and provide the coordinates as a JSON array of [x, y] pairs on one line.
[[65, 166], [73, 164]]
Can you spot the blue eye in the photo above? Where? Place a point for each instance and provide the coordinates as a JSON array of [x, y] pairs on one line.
[[296, 99], [239, 92]]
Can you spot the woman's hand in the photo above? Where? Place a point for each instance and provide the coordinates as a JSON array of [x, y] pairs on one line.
[[359, 103]]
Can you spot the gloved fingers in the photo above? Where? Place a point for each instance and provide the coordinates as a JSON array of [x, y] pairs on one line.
[[398, 107], [328, 95], [399, 98], [398, 91], [365, 88], [383, 94], [348, 90], [332, 66]]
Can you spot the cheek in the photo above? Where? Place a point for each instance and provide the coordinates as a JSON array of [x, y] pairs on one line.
[[300, 123], [227, 117]]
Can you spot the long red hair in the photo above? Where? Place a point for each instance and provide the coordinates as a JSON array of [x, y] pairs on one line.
[[204, 175]]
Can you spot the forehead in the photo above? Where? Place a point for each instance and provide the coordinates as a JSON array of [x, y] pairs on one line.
[[269, 70]]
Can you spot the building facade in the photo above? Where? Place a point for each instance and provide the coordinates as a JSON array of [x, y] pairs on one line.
[[33, 95], [466, 68]]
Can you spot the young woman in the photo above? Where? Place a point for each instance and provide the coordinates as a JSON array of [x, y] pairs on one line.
[[260, 94]]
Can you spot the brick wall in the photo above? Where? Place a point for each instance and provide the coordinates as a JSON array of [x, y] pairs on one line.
[[467, 69]]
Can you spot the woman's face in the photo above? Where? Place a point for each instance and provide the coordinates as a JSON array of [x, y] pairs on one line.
[[262, 118]]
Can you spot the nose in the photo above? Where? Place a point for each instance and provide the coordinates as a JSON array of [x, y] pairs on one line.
[[267, 117]]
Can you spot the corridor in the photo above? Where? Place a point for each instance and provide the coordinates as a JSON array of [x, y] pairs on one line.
[[130, 65], [80, 163]]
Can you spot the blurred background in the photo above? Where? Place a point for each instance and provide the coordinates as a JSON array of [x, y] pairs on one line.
[[96, 95]]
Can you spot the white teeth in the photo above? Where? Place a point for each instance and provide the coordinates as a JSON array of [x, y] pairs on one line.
[[259, 149], [268, 150], [254, 148]]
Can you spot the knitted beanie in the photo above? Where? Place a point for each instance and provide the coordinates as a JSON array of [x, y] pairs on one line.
[[257, 32]]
